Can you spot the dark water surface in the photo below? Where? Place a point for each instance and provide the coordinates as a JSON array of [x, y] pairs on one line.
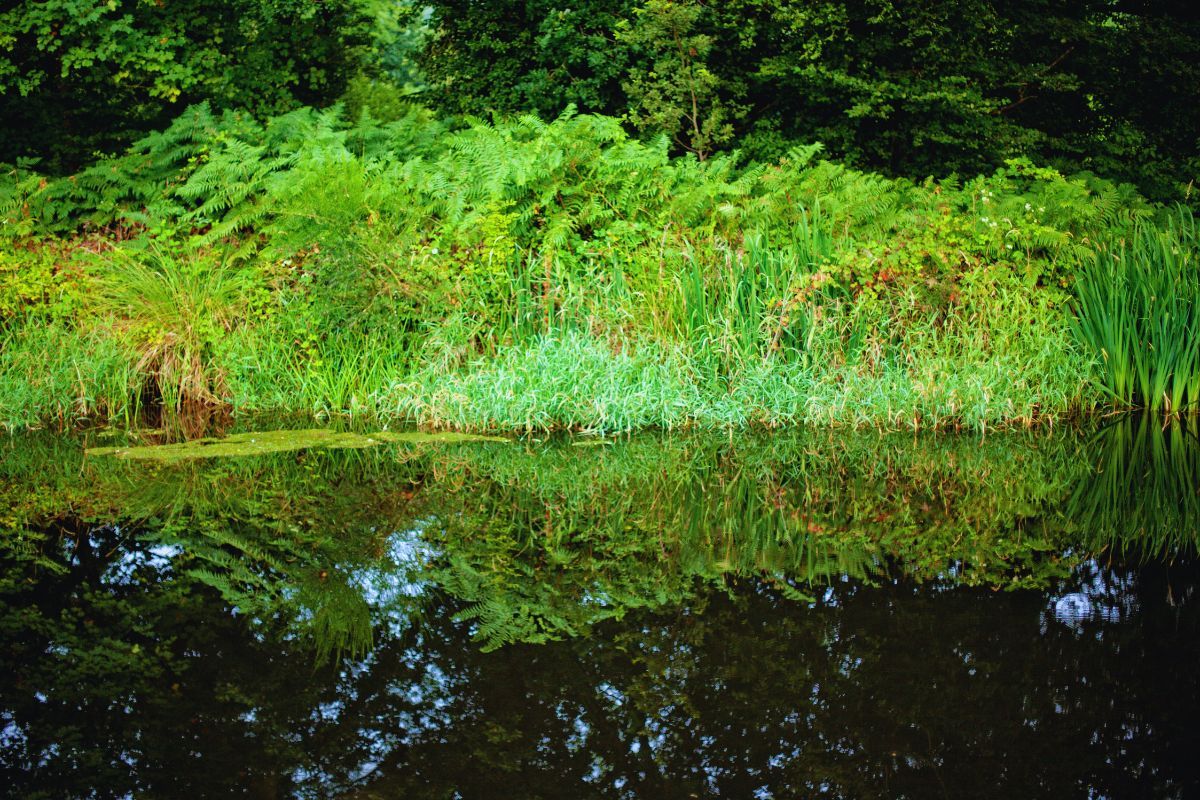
[[797, 615]]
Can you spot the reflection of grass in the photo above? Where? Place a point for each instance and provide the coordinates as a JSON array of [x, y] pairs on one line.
[[546, 542], [542, 540], [1144, 493]]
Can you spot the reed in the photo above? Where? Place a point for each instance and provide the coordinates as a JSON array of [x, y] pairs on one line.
[[1138, 310], [736, 307]]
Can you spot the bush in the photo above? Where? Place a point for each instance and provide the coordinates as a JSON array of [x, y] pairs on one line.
[[171, 314]]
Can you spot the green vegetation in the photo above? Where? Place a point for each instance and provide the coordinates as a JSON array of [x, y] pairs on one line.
[[910, 89], [252, 443], [531, 276], [797, 241], [1139, 309], [604, 273], [1140, 495], [77, 77]]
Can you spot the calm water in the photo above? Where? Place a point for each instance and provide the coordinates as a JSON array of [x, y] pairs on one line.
[[800, 615]]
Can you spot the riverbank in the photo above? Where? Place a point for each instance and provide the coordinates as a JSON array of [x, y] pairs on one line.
[[525, 276], [576, 381]]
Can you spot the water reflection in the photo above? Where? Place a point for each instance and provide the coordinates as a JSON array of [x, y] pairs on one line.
[[1143, 493], [801, 616]]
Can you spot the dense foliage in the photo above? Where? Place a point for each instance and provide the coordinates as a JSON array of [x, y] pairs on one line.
[[604, 283], [537, 544], [80, 76], [553, 268], [905, 87], [619, 214]]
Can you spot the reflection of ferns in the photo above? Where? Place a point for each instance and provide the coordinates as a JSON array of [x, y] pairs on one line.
[[498, 623], [338, 618], [539, 543], [585, 536]]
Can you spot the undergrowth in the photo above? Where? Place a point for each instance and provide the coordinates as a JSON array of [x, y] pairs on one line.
[[532, 275]]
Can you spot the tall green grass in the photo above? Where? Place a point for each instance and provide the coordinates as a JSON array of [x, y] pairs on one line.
[[564, 380], [1003, 359], [746, 304], [1139, 312], [348, 374], [54, 372], [172, 311]]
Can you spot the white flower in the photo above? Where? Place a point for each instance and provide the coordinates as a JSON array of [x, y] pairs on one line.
[[434, 251]]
